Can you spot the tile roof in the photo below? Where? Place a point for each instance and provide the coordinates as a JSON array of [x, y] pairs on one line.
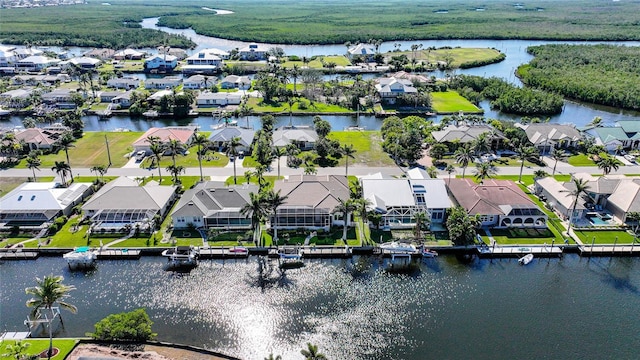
[[487, 198], [181, 133]]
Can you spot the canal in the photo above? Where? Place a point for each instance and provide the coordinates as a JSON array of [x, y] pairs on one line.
[[566, 308]]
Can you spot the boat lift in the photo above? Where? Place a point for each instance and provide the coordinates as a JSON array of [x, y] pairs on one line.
[[42, 318]]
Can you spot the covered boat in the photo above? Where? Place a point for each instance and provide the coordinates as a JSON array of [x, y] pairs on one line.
[[181, 258], [81, 258]]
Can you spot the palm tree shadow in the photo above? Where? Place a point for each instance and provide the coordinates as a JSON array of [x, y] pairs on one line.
[[432, 264], [268, 276], [618, 280]]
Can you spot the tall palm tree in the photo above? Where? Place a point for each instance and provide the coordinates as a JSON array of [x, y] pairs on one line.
[[49, 292], [256, 208], [274, 200], [295, 73], [99, 170], [344, 207], [347, 151], [525, 153], [232, 151], [482, 144], [312, 353], [66, 142], [176, 147], [464, 156], [450, 169], [608, 163], [557, 155], [279, 152], [157, 150], [62, 169], [203, 143], [485, 170], [175, 171], [33, 163], [580, 187]]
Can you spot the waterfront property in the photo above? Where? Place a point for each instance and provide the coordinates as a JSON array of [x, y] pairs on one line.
[[211, 99], [303, 137], [60, 98], [121, 203], [129, 54], [390, 88], [220, 136], [206, 61], [236, 82], [625, 134], [467, 133], [168, 82], [184, 134], [213, 205], [160, 63], [197, 82], [546, 136], [364, 51], [497, 203], [124, 83], [35, 204], [44, 138], [398, 200], [253, 52], [87, 63], [311, 202]]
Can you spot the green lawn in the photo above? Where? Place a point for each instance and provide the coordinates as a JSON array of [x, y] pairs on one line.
[[368, 146], [257, 105], [524, 236], [459, 55], [91, 150], [604, 237], [580, 160], [249, 162], [190, 160], [339, 60], [528, 179], [451, 102], [39, 345], [243, 180]]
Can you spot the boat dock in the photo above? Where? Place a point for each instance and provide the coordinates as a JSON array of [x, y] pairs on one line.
[[326, 252], [519, 251], [118, 254], [18, 254], [221, 253], [609, 250]]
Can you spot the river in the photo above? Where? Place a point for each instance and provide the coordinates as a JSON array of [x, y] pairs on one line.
[[561, 309]]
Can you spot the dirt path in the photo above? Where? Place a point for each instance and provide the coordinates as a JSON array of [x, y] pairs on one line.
[[151, 352]]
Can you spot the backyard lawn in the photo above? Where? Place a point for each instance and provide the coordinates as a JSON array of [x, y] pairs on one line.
[[368, 146], [523, 236], [257, 105], [604, 237], [339, 60], [36, 346], [190, 160], [91, 150], [451, 102]]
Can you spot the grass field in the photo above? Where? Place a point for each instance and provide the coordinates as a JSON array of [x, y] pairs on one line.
[[459, 55], [451, 102], [91, 150], [339, 60], [258, 106], [580, 160], [37, 346], [604, 237], [367, 145], [189, 160]]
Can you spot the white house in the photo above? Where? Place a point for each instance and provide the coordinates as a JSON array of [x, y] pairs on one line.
[[35, 63], [168, 82], [128, 54], [205, 61], [219, 137], [390, 88], [209, 99], [366, 51], [253, 52], [85, 62], [197, 82], [124, 83], [236, 82], [160, 63]]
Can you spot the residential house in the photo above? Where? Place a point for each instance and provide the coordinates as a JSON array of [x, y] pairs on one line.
[[497, 203], [468, 133], [397, 200], [168, 82], [126, 83], [364, 51], [557, 196], [129, 54], [35, 205], [108, 96], [61, 98], [390, 88], [253, 52], [160, 63], [101, 54], [184, 134], [214, 205], [156, 96], [204, 61], [86, 63], [122, 203], [123, 100], [41, 138], [209, 99], [414, 77], [220, 136], [311, 202], [35, 80], [181, 54], [17, 98], [236, 82], [7, 56], [304, 138], [625, 134], [546, 136], [35, 63], [23, 53], [197, 82]]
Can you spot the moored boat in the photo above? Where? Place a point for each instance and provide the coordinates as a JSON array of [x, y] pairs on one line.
[[395, 247], [525, 259], [81, 258], [290, 258], [428, 253], [181, 258]]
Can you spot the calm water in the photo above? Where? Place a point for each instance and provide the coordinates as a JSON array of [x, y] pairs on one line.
[[562, 309]]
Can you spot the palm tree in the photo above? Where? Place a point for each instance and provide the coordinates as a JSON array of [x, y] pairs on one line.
[[271, 357], [17, 351], [279, 152], [450, 169], [49, 292], [482, 144], [255, 208], [557, 155], [202, 142], [66, 142], [421, 220], [312, 353], [273, 201], [580, 187], [248, 175], [157, 150], [525, 153], [62, 169], [232, 152], [99, 170], [596, 122], [347, 151], [33, 163], [485, 170], [344, 207], [175, 170], [464, 155], [295, 72], [608, 163], [175, 147]]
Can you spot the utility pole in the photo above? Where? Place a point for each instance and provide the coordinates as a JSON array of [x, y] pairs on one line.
[[106, 141]]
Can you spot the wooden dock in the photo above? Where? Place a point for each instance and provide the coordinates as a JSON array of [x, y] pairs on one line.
[[519, 251], [221, 253], [118, 254], [326, 252], [18, 254], [610, 250]]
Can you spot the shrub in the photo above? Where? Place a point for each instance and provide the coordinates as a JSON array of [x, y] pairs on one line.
[[133, 326]]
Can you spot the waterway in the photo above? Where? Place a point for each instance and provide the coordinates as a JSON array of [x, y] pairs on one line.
[[352, 309]]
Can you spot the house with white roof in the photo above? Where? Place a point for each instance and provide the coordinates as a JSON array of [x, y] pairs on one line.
[[210, 99], [35, 63], [253, 52], [197, 82], [156, 96], [214, 205], [129, 54], [365, 51], [390, 88], [85, 62], [122, 203], [123, 99], [160, 63], [62, 98], [398, 200], [17, 98], [163, 83], [124, 83], [7, 56], [236, 82], [35, 204], [205, 61]]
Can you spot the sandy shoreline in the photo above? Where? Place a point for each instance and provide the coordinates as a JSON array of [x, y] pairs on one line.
[[151, 352]]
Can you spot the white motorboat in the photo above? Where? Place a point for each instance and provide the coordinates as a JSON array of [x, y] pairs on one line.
[[81, 258], [290, 258], [237, 251], [525, 259], [428, 253], [181, 258], [395, 247]]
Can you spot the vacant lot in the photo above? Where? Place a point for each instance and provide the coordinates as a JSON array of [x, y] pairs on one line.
[[451, 102]]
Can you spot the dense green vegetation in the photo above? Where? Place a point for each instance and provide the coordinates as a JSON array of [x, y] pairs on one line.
[[601, 74], [333, 21], [132, 326], [314, 21], [91, 25], [506, 97]]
